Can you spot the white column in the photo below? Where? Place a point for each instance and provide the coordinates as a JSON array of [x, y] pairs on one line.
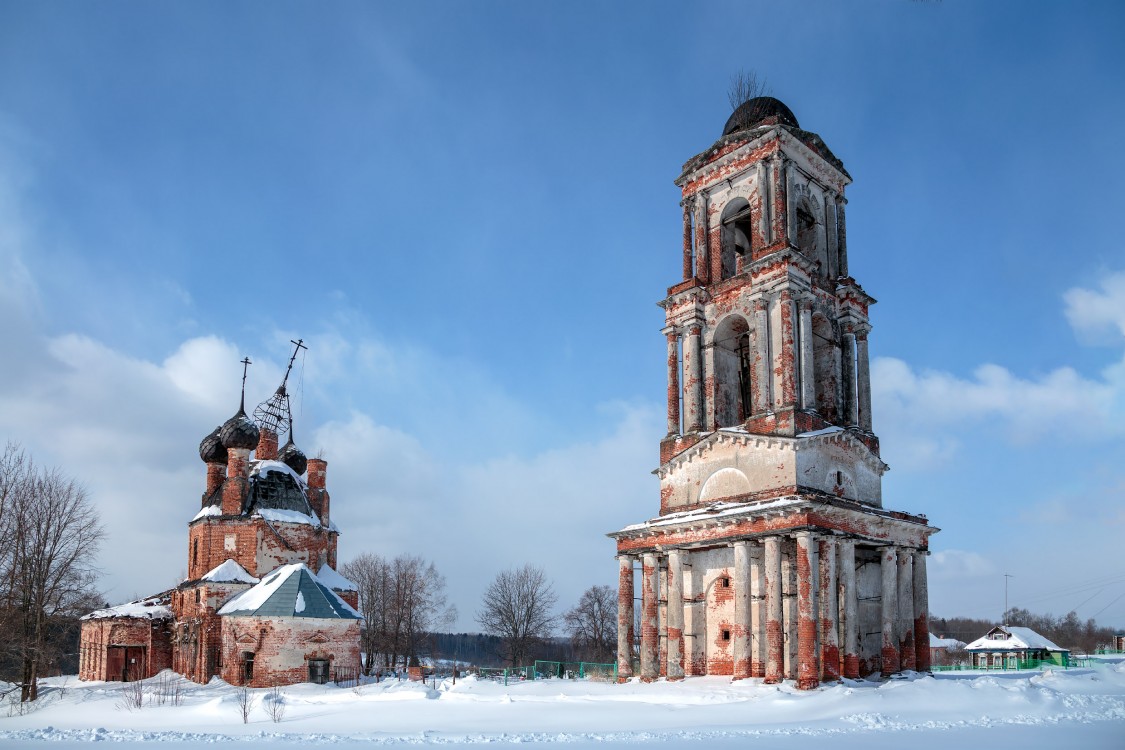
[[889, 568], [693, 380], [675, 610], [624, 616], [863, 380], [650, 625], [829, 612], [921, 613], [774, 636], [761, 354], [742, 625], [905, 610], [851, 608]]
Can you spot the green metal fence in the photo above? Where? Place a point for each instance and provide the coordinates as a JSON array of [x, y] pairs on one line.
[[1014, 665], [575, 670]]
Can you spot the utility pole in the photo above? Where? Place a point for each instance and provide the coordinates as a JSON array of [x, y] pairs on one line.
[[1004, 618]]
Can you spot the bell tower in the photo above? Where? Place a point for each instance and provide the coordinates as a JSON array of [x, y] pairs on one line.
[[772, 555], [766, 331]]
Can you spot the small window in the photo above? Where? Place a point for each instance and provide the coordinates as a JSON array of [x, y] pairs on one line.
[[726, 635], [840, 478], [726, 583], [247, 667], [197, 596]]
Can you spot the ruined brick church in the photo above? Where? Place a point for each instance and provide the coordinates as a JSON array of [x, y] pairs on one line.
[[262, 604], [772, 555]]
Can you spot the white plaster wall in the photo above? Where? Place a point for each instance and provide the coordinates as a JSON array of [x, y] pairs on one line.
[[704, 617], [727, 469], [818, 462]]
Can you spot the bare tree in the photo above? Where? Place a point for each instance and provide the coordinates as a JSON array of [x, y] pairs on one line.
[[517, 607], [592, 624], [245, 700], [51, 537], [744, 86], [403, 601]]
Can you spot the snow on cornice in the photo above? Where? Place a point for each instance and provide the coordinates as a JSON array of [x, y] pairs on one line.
[[153, 608], [713, 513], [739, 436]]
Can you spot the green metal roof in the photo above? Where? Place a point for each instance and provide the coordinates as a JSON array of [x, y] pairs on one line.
[[290, 591]]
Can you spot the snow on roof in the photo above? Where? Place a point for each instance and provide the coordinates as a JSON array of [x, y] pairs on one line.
[[229, 572], [261, 468], [278, 515], [1018, 638], [209, 510], [936, 642], [153, 608], [817, 433], [715, 510], [334, 580], [290, 591]]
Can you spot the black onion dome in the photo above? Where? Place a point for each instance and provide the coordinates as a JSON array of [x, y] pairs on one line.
[[761, 110], [211, 449], [293, 457], [239, 432]]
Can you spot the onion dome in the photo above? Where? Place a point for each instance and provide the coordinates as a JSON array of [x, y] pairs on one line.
[[757, 112], [239, 432], [293, 457], [211, 449]]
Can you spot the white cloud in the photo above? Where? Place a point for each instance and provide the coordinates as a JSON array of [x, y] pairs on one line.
[[957, 565], [1098, 314]]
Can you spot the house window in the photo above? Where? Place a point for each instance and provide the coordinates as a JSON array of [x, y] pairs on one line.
[[726, 635]]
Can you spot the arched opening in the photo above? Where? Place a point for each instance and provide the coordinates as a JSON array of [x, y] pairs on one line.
[[733, 372], [810, 235], [737, 229], [826, 368]]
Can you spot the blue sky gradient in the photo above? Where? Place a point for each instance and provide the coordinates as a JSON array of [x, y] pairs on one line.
[[467, 211]]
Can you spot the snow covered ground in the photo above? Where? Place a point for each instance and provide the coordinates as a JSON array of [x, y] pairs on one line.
[[1055, 709]]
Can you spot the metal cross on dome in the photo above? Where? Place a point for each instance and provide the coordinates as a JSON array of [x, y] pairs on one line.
[[273, 414]]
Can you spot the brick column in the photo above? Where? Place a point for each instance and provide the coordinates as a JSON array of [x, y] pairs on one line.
[[687, 203], [675, 616], [702, 252], [761, 384], [831, 229], [216, 473], [851, 608], [779, 228], [650, 626], [863, 380], [763, 227], [888, 562], [829, 612], [693, 380], [673, 380], [841, 235], [921, 613], [808, 373], [905, 610], [774, 641], [237, 483], [757, 612], [850, 408], [740, 629], [808, 580], [624, 616], [267, 445], [785, 356]]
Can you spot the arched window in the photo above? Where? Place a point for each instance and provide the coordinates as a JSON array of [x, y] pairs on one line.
[[733, 372], [737, 229]]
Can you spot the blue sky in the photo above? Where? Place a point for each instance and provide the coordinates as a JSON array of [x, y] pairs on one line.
[[467, 211]]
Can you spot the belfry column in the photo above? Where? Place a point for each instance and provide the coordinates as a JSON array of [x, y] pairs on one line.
[[863, 379], [888, 562], [829, 612], [675, 668], [831, 231], [763, 205], [808, 580], [842, 234], [808, 381], [921, 613], [740, 629], [785, 356], [779, 229], [905, 610], [687, 203], [761, 384], [774, 642], [624, 616], [851, 402], [851, 608], [693, 380], [650, 625], [673, 380], [702, 253]]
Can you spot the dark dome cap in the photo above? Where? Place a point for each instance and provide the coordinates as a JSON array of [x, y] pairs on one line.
[[239, 432], [761, 110], [211, 449], [293, 457]]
